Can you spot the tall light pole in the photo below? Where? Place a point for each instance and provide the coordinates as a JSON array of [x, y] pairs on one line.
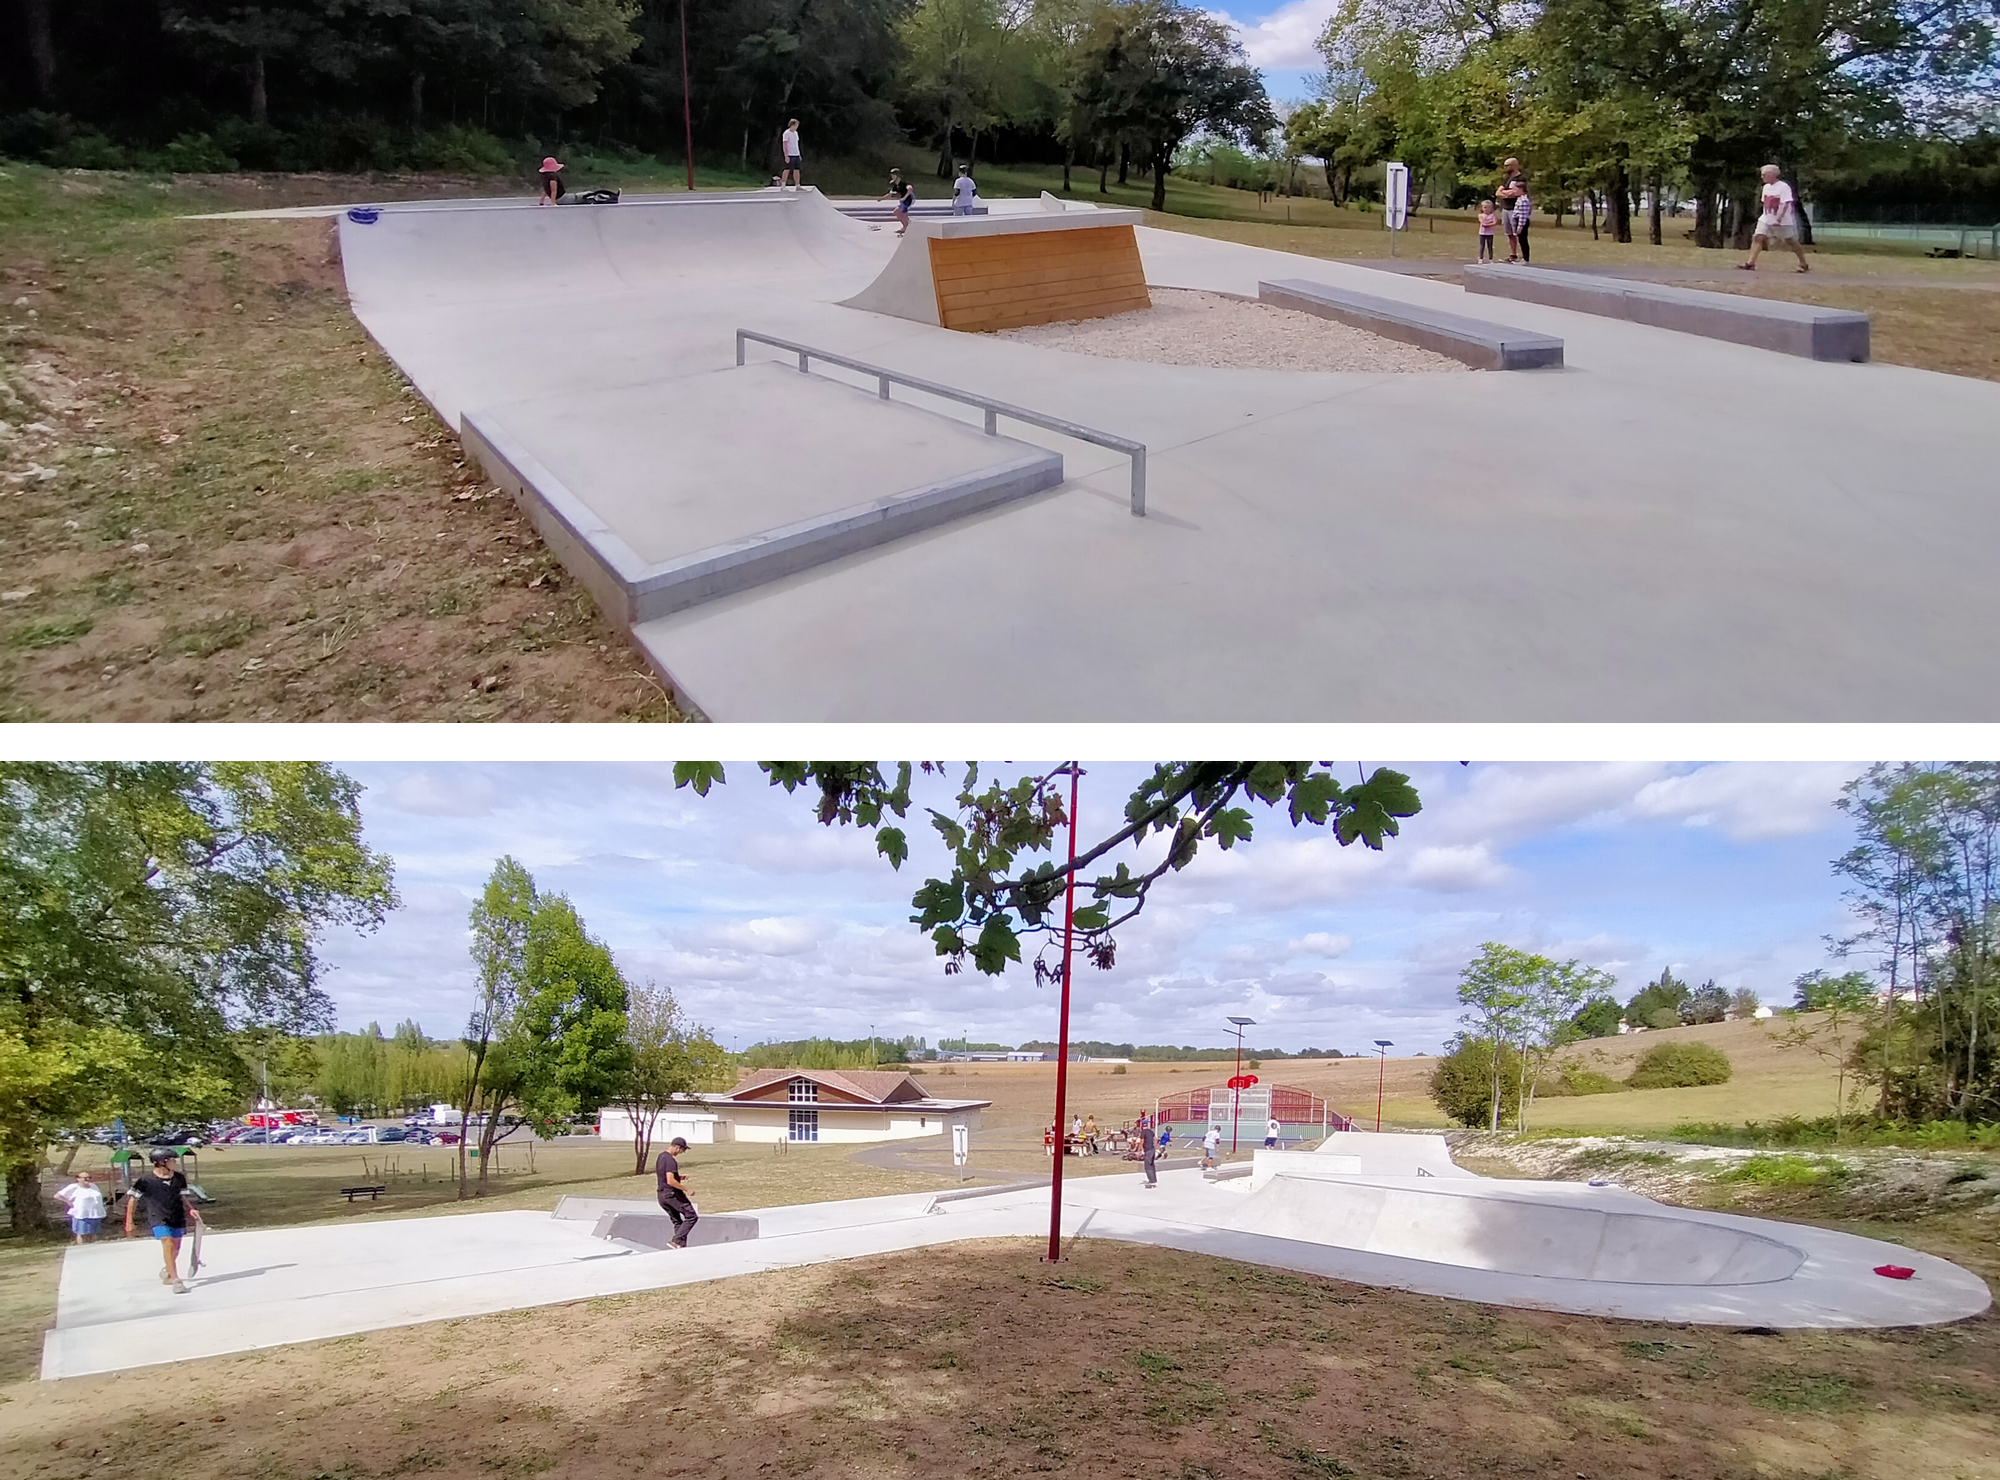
[[1060, 1147], [687, 108], [1382, 1047], [1235, 1089]]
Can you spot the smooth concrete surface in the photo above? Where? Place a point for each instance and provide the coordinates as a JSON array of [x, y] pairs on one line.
[[1671, 528], [1475, 342], [1555, 1246], [1394, 1153], [1835, 334], [659, 497]]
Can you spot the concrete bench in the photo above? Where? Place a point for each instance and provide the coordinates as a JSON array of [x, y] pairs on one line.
[[1482, 345], [1764, 323], [656, 1230]]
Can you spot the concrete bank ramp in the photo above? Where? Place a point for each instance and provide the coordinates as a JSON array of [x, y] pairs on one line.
[[1553, 1230], [1394, 1153], [474, 253]]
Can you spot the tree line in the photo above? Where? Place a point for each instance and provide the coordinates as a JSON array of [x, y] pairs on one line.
[[1626, 103], [439, 83]]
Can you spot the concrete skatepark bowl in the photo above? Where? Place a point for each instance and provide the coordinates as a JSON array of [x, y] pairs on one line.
[[1381, 1210], [1670, 527]]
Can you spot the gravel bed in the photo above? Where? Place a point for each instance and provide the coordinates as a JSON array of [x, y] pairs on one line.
[[1185, 327]]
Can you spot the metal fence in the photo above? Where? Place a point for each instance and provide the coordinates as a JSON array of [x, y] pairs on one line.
[[1968, 241]]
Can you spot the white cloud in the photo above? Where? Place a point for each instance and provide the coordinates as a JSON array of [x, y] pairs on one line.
[[1321, 943], [1458, 869], [771, 936], [1284, 38], [442, 791], [1748, 801]]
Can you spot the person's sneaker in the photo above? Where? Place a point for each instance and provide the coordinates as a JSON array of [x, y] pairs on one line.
[[166, 1278], [677, 1244], [179, 1288]]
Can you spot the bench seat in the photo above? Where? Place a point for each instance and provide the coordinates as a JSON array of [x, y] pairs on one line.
[[1764, 323], [1477, 343]]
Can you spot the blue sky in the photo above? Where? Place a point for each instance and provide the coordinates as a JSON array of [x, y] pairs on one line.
[[1279, 41], [768, 925]]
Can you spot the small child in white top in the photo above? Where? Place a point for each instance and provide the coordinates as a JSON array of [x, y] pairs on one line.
[[1489, 223], [86, 1207]]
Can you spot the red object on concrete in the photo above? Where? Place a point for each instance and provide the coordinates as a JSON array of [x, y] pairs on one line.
[[1893, 1271]]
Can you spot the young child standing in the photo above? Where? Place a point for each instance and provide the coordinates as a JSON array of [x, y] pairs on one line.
[[1489, 224]]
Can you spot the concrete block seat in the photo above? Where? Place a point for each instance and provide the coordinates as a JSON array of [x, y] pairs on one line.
[[1764, 323], [1483, 345]]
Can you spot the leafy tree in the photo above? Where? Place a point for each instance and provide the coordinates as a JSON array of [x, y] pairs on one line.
[[569, 1027], [1497, 988], [154, 910], [1680, 1066], [1819, 991], [993, 897], [1743, 1003], [1167, 71], [963, 67], [1708, 1003], [1465, 1079], [493, 1073], [668, 1057], [1663, 996], [1599, 1018]]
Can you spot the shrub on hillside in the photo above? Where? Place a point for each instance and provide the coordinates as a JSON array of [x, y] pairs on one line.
[[1575, 1079], [1707, 1003], [1663, 1017], [1599, 1018], [1462, 1084], [1680, 1066]]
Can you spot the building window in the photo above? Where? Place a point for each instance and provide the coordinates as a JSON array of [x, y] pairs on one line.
[[805, 1124], [803, 1091]]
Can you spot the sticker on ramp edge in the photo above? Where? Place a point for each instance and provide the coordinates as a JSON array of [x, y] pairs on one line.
[[364, 215]]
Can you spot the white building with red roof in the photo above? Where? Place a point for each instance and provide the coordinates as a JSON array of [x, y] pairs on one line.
[[838, 1105]]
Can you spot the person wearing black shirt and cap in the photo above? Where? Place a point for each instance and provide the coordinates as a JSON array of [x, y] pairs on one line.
[[162, 1196], [673, 1192]]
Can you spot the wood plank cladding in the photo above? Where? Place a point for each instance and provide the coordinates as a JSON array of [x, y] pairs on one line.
[[1009, 280]]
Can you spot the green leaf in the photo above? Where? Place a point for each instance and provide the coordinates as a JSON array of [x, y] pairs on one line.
[[1092, 916], [939, 902], [1231, 825], [700, 775], [892, 845], [996, 946], [1374, 807]]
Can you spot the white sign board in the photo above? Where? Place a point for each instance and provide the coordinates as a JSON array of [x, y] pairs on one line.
[[961, 1144], [1396, 196]]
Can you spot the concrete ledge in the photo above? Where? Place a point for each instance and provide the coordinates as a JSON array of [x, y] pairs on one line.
[[1802, 329], [631, 591], [1477, 343], [656, 1230]]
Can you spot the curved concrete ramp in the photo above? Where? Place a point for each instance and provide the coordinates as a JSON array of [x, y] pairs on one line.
[[1394, 1153], [1606, 1235]]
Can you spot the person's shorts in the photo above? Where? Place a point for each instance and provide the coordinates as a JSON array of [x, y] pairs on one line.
[[1774, 233], [160, 1230], [794, 163], [85, 1227], [1270, 1140]]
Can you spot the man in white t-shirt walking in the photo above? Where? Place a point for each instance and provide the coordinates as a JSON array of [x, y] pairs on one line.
[[1778, 223], [792, 159]]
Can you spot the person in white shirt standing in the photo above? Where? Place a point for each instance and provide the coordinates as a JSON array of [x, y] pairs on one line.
[[792, 159], [1210, 1144], [1778, 223], [963, 192], [86, 1207]]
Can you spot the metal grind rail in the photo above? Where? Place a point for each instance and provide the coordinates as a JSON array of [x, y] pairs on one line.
[[994, 409]]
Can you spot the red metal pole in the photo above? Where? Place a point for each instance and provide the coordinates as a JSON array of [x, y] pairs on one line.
[[1062, 1035], [687, 108], [1236, 1097], [1382, 1062]]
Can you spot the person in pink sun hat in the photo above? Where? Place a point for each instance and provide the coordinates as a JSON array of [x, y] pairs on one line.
[[552, 185]]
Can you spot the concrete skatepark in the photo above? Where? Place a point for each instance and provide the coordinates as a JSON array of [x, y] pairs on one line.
[[1669, 527], [1388, 1210]]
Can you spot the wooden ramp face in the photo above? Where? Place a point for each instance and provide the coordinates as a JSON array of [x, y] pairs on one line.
[[1036, 277]]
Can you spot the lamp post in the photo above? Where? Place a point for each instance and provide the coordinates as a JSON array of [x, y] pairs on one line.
[[1062, 1031], [1382, 1047], [687, 108], [1235, 1088]]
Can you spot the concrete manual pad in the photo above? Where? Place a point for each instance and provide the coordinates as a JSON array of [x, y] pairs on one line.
[[1836, 334], [1475, 342], [662, 496]]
